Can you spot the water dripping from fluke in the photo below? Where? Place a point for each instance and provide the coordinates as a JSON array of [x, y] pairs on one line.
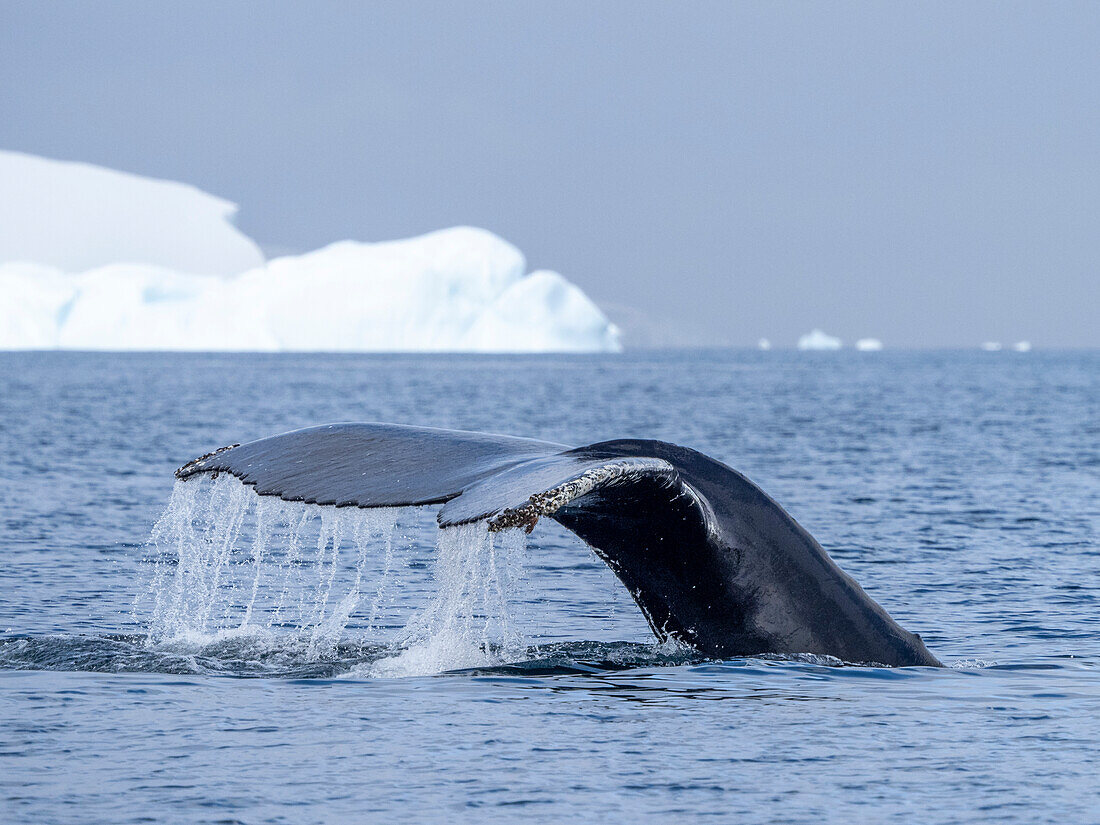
[[470, 620], [254, 578]]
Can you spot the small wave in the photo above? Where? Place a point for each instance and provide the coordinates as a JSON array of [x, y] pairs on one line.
[[971, 664], [275, 655], [243, 656], [280, 655], [579, 658]]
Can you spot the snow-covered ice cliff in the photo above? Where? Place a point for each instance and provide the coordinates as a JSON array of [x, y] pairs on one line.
[[75, 216], [459, 289]]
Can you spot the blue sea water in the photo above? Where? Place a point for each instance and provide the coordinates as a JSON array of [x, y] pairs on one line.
[[962, 490]]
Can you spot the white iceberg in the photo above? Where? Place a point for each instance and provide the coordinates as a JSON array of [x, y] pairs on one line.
[[75, 217], [764, 344], [818, 340], [455, 290], [992, 346], [1022, 346], [868, 345]]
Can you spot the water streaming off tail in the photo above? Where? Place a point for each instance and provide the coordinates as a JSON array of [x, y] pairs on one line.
[[232, 565], [473, 618]]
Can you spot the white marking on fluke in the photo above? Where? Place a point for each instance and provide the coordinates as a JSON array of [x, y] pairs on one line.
[[548, 502]]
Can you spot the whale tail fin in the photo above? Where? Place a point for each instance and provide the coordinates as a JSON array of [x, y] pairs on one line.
[[707, 555], [368, 465]]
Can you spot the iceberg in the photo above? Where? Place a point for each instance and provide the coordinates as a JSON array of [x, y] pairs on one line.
[[461, 289], [1022, 346], [992, 346], [868, 345], [455, 290], [764, 344], [76, 216], [818, 340]]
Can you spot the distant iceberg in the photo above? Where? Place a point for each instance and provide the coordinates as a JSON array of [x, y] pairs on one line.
[[992, 346], [455, 290], [868, 345], [162, 286], [764, 344], [75, 216], [818, 340], [1022, 346]]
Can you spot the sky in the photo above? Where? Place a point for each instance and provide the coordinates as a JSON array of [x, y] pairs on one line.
[[709, 173]]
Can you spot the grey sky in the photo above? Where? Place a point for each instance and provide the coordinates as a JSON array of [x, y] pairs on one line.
[[710, 173]]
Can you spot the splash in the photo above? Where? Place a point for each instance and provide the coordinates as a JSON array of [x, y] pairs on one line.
[[474, 618], [231, 567], [231, 562]]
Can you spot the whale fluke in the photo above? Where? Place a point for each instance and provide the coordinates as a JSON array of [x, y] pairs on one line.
[[708, 556], [369, 465]]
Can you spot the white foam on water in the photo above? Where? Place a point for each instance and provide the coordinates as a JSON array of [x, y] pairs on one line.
[[232, 565], [971, 664]]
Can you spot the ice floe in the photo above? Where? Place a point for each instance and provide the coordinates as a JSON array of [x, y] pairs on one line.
[[818, 340], [868, 345]]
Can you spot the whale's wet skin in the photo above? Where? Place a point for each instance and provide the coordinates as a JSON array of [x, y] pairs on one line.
[[712, 561], [258, 660]]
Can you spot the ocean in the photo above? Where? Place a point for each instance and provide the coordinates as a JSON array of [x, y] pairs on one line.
[[195, 654]]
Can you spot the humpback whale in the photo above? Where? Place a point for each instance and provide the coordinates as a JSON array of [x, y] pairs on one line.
[[708, 556]]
